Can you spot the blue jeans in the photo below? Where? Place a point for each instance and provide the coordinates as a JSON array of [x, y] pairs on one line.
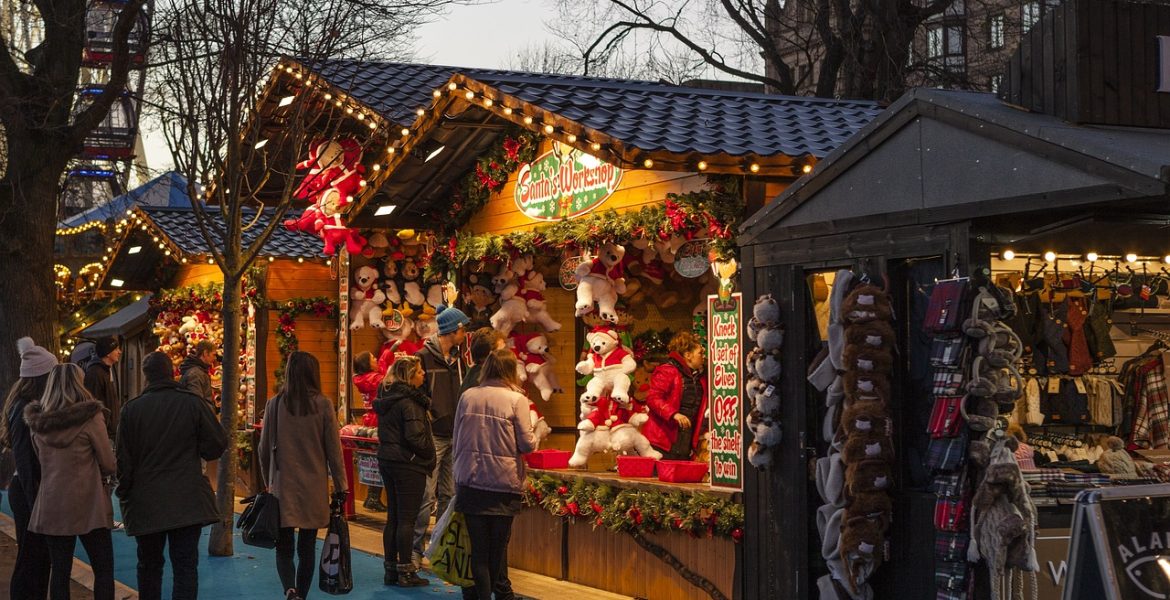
[[439, 491]]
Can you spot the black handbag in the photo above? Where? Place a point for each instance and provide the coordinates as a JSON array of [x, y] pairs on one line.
[[335, 573], [259, 523]]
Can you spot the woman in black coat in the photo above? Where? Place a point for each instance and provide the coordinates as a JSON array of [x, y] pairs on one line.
[[406, 456], [30, 574]]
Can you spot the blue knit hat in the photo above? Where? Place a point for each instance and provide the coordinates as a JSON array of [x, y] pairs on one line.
[[450, 319]]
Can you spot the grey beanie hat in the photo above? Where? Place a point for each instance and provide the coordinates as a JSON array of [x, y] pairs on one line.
[[34, 360]]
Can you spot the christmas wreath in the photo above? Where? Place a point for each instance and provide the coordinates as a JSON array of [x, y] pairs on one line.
[[286, 323]]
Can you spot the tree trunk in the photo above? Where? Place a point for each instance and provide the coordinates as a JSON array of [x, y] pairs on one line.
[[220, 543], [28, 303]]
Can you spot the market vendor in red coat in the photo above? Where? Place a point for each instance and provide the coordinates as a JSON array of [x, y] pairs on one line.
[[678, 399]]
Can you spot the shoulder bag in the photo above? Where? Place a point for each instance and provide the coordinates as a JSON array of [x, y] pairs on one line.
[[259, 523]]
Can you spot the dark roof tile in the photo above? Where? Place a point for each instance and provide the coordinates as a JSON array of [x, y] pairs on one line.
[[180, 225]]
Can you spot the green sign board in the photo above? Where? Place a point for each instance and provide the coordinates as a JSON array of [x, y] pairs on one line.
[[564, 183], [725, 381]]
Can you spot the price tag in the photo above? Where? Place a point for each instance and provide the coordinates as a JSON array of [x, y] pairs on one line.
[[1080, 383], [1053, 385]]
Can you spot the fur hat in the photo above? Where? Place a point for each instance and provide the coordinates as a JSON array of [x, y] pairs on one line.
[[768, 400], [867, 385], [862, 548], [867, 447], [770, 338], [866, 302], [870, 505], [768, 367], [874, 334], [864, 416], [750, 361], [868, 477], [866, 359], [760, 456], [766, 310]]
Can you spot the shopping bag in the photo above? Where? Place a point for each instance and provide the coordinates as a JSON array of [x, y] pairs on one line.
[[335, 575], [450, 549], [259, 523]]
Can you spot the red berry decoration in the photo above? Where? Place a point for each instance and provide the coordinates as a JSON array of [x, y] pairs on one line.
[[562, 490], [574, 509], [677, 523], [595, 506], [737, 535]]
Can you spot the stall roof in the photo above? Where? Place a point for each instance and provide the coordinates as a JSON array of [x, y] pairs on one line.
[[128, 319], [148, 254], [166, 190], [937, 156], [642, 114]]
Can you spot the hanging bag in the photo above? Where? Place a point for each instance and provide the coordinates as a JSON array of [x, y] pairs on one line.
[[335, 575], [259, 523], [450, 548]]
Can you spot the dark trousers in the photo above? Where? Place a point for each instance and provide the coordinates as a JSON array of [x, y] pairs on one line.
[[299, 577], [184, 552], [99, 546], [30, 574], [404, 495], [489, 551]]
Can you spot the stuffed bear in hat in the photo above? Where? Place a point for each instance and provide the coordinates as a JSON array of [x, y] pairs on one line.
[[532, 286], [540, 427], [600, 280], [609, 363], [606, 426], [478, 297], [627, 438], [513, 308], [366, 310], [335, 177], [532, 351]]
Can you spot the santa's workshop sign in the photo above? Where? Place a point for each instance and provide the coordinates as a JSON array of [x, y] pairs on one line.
[[564, 183], [725, 377]]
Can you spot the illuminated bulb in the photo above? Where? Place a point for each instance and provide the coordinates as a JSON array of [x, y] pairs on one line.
[[361, 116], [328, 96], [549, 129], [1008, 255], [507, 110], [1166, 259], [702, 165], [405, 132], [420, 112], [451, 86], [470, 95], [270, 259], [377, 168], [349, 110], [329, 262], [437, 93], [648, 163], [595, 146], [373, 126], [572, 138], [487, 102], [211, 261], [1092, 257], [300, 260], [754, 168], [1050, 256], [1131, 257], [527, 120], [806, 169], [168, 253], [390, 150], [337, 103]]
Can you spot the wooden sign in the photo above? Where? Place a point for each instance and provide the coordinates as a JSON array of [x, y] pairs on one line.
[[564, 183], [1121, 544], [725, 389]]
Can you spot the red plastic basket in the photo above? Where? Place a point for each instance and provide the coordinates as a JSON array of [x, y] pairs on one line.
[[681, 471], [635, 466], [548, 459]]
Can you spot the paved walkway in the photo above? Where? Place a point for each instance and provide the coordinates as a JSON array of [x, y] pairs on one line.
[[251, 573]]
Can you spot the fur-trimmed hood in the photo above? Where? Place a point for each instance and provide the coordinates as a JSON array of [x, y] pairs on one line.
[[58, 428]]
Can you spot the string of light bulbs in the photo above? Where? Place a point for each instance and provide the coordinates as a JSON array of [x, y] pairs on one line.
[[1090, 257]]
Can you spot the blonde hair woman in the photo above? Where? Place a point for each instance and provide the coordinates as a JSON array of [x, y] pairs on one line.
[[492, 430], [69, 434], [406, 456]]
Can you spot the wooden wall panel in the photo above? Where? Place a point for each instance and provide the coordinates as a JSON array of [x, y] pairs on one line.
[[315, 335], [201, 274], [289, 279]]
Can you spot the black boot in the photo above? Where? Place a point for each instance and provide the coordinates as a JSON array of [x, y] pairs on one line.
[[408, 576], [391, 574], [373, 501]]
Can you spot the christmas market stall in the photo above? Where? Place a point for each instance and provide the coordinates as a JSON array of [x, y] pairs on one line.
[[590, 222], [290, 299], [976, 311]]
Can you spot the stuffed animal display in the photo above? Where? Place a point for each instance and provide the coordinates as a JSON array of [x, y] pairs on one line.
[[763, 383], [610, 365], [366, 299], [533, 352], [599, 281], [334, 179]]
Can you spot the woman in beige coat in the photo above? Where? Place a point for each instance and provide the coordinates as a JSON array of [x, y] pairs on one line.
[[69, 433], [297, 465]]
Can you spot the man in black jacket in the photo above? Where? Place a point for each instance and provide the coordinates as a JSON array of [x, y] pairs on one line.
[[99, 379], [195, 371], [443, 363], [165, 496]]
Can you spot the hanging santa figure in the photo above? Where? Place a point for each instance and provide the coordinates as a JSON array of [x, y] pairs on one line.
[[334, 179]]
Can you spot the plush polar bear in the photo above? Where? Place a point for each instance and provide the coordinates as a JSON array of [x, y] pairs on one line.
[[513, 308], [532, 351], [531, 288], [540, 427], [610, 426], [366, 298], [610, 364], [600, 280], [627, 438]]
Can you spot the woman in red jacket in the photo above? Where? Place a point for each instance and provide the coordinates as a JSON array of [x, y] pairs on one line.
[[678, 399], [367, 378]]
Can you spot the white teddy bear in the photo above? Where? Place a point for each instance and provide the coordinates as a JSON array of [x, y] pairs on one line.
[[627, 438], [532, 350], [532, 286], [610, 364], [367, 299], [600, 280], [513, 308]]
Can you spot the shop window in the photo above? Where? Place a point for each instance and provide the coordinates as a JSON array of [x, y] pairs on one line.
[[995, 31], [1030, 15], [934, 42], [946, 44]]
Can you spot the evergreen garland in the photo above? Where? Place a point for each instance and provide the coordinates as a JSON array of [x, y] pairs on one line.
[[491, 171], [631, 510], [710, 213], [286, 324]]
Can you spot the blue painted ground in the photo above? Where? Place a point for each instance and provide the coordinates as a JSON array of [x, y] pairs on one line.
[[251, 573]]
